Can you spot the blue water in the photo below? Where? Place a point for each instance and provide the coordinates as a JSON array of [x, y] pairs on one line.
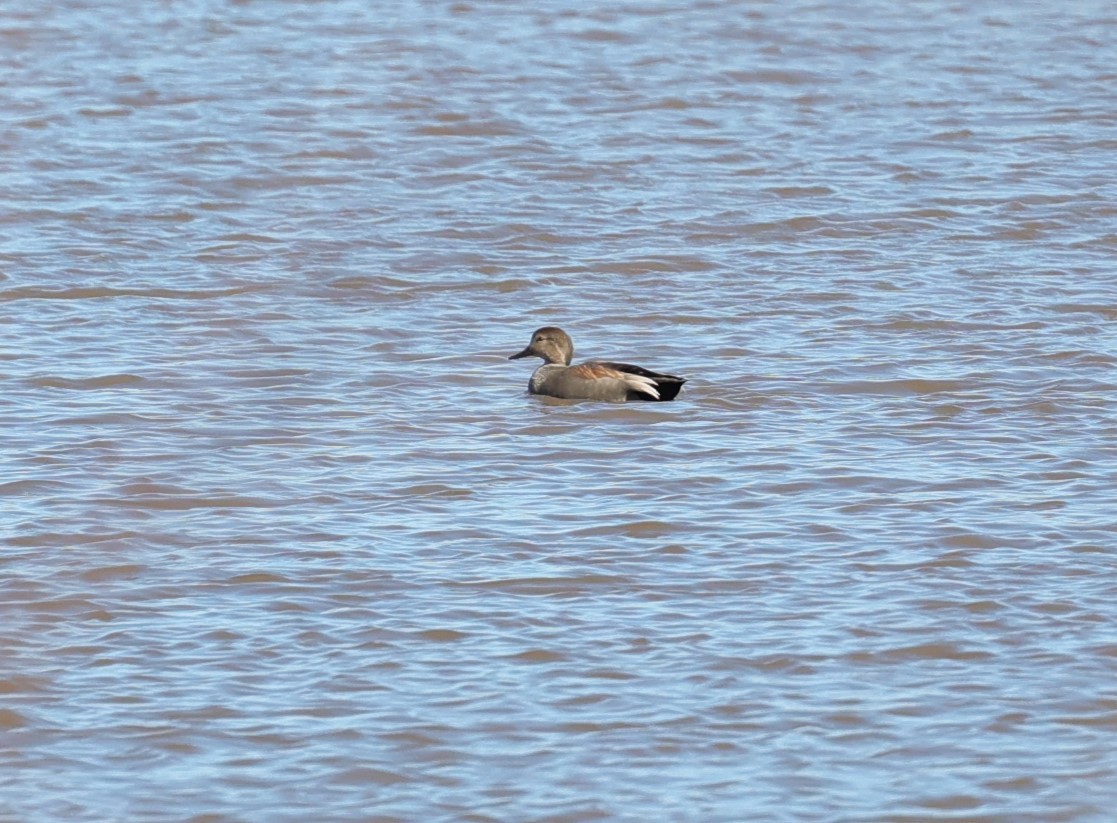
[[282, 536]]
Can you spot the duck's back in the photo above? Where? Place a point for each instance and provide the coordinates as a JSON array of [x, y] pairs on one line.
[[612, 382]]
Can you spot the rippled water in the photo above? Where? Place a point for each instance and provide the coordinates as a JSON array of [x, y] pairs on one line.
[[284, 538]]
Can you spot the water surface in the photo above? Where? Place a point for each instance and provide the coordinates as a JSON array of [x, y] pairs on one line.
[[284, 538]]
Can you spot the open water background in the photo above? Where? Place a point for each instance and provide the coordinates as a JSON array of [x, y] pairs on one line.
[[283, 539]]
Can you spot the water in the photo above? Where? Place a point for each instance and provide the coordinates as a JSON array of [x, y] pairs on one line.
[[285, 539]]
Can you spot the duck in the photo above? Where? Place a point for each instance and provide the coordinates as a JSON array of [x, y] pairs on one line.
[[594, 379]]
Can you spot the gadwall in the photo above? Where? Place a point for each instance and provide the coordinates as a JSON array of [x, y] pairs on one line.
[[614, 382]]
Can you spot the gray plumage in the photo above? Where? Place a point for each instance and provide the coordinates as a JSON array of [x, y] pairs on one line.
[[594, 380]]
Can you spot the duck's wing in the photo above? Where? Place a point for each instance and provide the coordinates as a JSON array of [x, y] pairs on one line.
[[667, 386], [605, 381]]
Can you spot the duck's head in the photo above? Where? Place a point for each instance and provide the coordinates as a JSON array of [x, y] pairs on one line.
[[551, 343]]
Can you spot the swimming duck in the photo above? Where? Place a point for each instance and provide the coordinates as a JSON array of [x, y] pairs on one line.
[[594, 380]]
